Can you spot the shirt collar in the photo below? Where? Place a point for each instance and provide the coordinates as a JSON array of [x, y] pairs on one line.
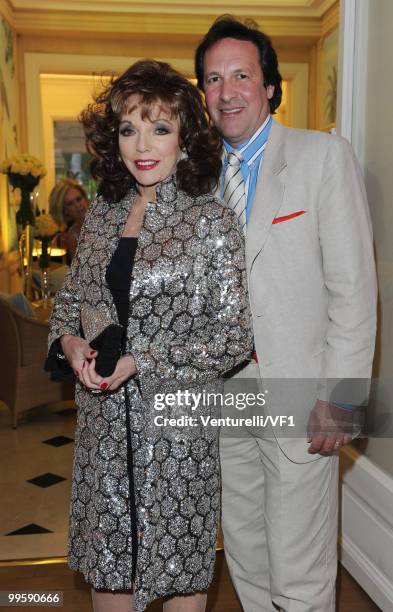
[[242, 151]]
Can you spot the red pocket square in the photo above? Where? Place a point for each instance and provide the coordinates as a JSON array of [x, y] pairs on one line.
[[287, 217]]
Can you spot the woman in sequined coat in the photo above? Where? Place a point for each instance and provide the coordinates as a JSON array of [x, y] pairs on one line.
[[160, 254]]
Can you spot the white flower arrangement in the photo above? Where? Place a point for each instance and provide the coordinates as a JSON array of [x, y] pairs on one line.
[[45, 229], [24, 173], [45, 226], [23, 164]]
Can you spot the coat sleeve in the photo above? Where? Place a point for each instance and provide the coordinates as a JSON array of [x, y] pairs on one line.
[[65, 318], [345, 235], [225, 338]]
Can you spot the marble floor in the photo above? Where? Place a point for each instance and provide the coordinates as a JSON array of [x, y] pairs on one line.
[[35, 480]]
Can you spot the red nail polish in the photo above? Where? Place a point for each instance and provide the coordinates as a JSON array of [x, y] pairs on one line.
[[92, 353], [76, 373], [103, 386]]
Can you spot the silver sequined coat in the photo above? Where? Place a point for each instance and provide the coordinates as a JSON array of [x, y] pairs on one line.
[[188, 323]]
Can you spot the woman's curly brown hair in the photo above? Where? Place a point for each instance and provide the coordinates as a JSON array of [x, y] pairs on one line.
[[154, 83]]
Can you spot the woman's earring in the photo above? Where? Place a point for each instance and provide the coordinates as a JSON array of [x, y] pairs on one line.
[[183, 154]]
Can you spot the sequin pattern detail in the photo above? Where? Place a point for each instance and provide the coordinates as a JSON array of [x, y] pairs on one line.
[[188, 323]]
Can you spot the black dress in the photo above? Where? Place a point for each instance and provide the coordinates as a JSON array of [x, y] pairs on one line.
[[118, 277]]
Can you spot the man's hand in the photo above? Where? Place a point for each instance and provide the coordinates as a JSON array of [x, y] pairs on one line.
[[329, 428], [125, 368]]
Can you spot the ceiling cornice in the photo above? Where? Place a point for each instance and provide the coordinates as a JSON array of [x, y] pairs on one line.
[[293, 8], [331, 19], [63, 22], [7, 11], [278, 17]]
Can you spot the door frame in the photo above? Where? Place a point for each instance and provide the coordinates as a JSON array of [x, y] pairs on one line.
[[352, 60]]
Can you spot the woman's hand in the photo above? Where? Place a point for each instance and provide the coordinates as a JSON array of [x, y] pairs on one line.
[[125, 368], [77, 352]]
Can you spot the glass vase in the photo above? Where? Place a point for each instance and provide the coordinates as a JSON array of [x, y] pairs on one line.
[[26, 242], [45, 291], [26, 213], [44, 262]]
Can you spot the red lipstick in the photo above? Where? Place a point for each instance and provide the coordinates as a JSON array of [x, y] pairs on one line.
[[146, 164]]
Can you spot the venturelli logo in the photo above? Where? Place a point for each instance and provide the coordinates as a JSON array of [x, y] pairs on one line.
[[232, 422]]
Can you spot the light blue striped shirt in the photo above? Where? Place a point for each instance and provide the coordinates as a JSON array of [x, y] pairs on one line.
[[251, 152]]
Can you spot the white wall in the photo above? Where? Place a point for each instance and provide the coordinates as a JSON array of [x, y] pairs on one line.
[[378, 168], [366, 119]]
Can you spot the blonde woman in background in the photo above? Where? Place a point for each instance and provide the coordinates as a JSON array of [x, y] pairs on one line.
[[68, 203]]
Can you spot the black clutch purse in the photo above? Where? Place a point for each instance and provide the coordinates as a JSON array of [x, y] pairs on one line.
[[103, 336]]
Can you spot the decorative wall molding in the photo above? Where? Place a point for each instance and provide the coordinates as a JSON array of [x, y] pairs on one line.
[[360, 79], [367, 526], [331, 18], [7, 12], [297, 75], [352, 94], [30, 22], [293, 8], [346, 59], [301, 18]]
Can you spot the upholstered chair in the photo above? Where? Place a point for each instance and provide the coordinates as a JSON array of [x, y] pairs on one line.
[[23, 382]]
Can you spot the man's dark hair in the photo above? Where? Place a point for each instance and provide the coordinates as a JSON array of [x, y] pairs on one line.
[[227, 26]]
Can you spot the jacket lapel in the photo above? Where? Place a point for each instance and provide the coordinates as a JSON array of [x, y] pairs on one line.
[[268, 196]]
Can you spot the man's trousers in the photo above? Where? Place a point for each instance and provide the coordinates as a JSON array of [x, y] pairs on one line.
[[279, 519]]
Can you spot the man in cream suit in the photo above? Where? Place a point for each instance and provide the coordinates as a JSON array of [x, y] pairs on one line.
[[300, 197]]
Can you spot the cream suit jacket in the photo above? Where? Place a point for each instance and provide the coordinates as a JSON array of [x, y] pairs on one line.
[[310, 262]]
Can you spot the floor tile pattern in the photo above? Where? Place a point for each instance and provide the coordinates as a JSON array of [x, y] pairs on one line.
[[35, 481], [29, 530], [58, 441], [46, 480]]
